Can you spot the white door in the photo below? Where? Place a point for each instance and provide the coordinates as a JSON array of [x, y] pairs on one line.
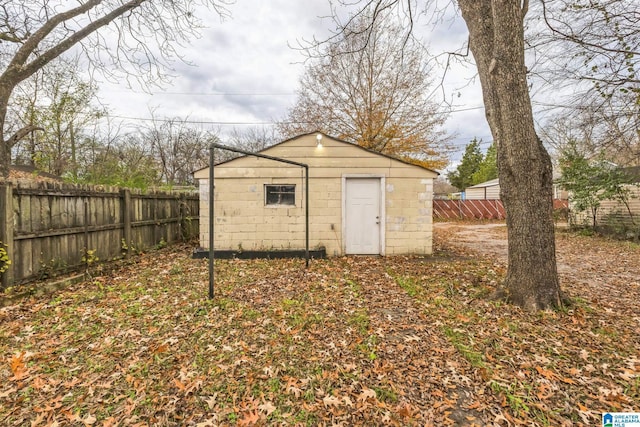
[[362, 216]]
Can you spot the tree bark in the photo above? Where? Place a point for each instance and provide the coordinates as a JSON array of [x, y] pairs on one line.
[[5, 146], [496, 40]]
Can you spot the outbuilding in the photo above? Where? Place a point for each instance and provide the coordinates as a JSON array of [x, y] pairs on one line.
[[621, 214], [360, 201], [489, 190]]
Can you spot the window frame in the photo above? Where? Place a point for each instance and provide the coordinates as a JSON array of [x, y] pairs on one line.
[[281, 195]]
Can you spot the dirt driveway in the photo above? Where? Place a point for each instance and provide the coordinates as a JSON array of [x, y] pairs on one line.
[[591, 267]]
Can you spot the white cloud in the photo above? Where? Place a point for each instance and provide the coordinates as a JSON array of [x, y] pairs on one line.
[[246, 71]]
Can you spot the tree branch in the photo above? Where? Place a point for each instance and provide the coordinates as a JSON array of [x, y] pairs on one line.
[[32, 42], [21, 133], [577, 40], [525, 8], [10, 37], [22, 71]]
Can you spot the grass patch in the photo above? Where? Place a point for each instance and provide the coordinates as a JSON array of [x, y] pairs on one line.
[[514, 399], [409, 284], [360, 321], [337, 343], [460, 341]]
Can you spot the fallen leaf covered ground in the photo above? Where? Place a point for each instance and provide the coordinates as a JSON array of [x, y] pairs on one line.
[[350, 341]]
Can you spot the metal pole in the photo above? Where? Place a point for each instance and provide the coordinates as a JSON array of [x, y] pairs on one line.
[[211, 221], [263, 156], [211, 186], [306, 214]]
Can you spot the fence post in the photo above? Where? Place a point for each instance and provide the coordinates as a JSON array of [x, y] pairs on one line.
[[155, 199], [182, 214], [6, 230], [86, 227], [126, 220]]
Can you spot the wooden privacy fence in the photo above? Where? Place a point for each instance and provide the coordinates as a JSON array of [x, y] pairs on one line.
[[476, 209], [48, 227], [468, 209]]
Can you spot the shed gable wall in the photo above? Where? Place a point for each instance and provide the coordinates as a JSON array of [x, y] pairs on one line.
[[244, 222]]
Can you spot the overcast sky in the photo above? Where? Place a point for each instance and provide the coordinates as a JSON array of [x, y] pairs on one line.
[[245, 72]]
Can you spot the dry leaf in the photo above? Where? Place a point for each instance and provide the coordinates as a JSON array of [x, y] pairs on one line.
[[366, 393]]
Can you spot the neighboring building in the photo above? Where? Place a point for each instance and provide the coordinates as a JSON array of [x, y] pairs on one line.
[[442, 190], [360, 201], [490, 190], [30, 173], [614, 212]]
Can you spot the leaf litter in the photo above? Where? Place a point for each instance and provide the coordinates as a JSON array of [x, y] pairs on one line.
[[350, 341]]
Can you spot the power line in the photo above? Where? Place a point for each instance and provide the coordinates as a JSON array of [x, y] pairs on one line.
[[210, 93], [195, 122], [218, 122], [461, 145], [459, 110]]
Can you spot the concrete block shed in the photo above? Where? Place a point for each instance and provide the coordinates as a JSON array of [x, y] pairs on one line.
[[360, 201]]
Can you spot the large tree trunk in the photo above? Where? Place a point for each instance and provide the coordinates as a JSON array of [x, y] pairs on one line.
[[7, 143], [5, 160], [524, 166], [5, 146]]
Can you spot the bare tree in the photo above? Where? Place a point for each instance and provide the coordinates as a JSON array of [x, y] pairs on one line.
[[123, 161], [603, 132], [596, 42], [593, 48], [254, 138], [251, 139], [179, 149], [100, 142], [23, 112], [371, 86], [61, 103], [496, 40], [146, 36]]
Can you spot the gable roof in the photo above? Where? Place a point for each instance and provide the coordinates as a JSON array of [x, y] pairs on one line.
[[490, 183], [31, 173], [496, 181], [333, 138]]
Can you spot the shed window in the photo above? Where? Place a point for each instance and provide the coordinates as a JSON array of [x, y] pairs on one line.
[[280, 195]]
